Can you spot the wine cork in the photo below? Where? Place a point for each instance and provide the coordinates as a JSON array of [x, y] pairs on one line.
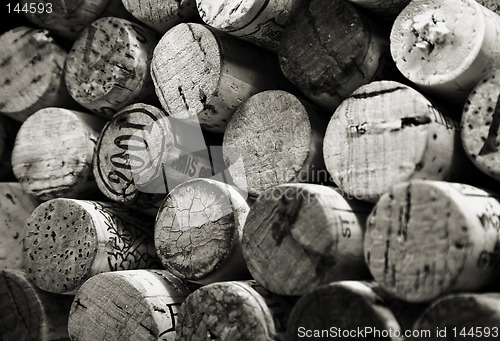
[[108, 66], [465, 316], [492, 5], [120, 141], [52, 155], [383, 9], [68, 241], [260, 133], [198, 232], [257, 21], [163, 15], [233, 310], [67, 18], [299, 236], [127, 305], [204, 73], [28, 313], [31, 73], [386, 133], [16, 207], [446, 47], [428, 238], [330, 48], [349, 310], [480, 123], [8, 132]]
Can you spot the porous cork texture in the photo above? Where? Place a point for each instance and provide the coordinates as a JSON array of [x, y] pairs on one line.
[[60, 246]]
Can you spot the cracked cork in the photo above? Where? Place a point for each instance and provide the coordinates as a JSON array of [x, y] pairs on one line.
[[68, 241], [53, 151], [330, 48], [278, 139], [31, 73], [145, 308], [428, 238], [233, 311], [203, 73], [300, 236], [385, 133], [198, 232], [108, 66]]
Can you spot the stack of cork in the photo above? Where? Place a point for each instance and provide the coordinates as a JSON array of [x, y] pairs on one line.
[[250, 170]]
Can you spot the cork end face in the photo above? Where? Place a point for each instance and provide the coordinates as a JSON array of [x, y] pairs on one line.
[[475, 311], [225, 310], [21, 312], [378, 137], [272, 134], [129, 154], [322, 55], [99, 311], [108, 65], [186, 68], [417, 244], [50, 170], [479, 126], [435, 41], [340, 307], [60, 245], [196, 229], [30, 66]]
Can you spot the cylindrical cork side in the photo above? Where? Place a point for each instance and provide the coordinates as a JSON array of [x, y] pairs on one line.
[[257, 21], [385, 133], [480, 123], [461, 313], [198, 231], [28, 313], [384, 9], [446, 47], [60, 245], [16, 207], [127, 305], [163, 15], [232, 311], [277, 138], [428, 238], [53, 151], [127, 146], [299, 236], [341, 308], [108, 66], [31, 73]]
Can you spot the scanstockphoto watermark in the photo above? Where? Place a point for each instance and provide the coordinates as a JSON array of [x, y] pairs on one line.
[[371, 333], [171, 151]]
